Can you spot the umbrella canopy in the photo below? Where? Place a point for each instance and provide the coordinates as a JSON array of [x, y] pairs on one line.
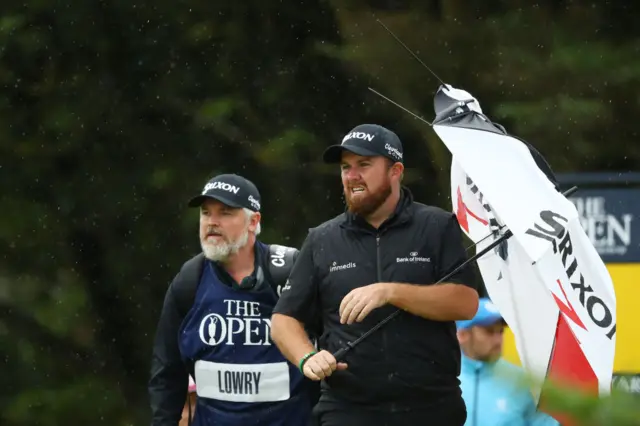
[[547, 280], [510, 278]]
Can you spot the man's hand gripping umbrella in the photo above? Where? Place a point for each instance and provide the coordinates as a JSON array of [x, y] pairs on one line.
[[339, 354]]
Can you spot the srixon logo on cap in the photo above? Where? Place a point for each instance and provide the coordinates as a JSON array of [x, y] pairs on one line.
[[358, 135], [221, 185]]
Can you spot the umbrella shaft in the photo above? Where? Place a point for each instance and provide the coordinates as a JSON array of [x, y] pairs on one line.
[[343, 351]]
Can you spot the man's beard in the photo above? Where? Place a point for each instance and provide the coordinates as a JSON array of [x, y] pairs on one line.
[[494, 355], [220, 251], [364, 206]]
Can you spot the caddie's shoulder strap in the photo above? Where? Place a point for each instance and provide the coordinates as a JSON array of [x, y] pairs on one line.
[[280, 262], [186, 283]]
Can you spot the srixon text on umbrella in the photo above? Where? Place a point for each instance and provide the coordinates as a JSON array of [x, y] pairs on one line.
[[553, 229]]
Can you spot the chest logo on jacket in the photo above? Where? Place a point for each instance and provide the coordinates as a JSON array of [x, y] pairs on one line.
[[335, 267], [413, 258], [241, 324]]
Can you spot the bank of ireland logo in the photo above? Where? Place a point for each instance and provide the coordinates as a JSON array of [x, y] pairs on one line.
[[213, 329], [413, 257]]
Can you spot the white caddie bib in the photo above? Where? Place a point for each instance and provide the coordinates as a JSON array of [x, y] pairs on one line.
[[242, 382]]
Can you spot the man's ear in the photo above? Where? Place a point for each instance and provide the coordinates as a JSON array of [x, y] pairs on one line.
[[255, 220], [397, 170], [463, 336]]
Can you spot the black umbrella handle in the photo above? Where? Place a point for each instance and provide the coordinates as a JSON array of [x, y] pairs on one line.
[[340, 353]]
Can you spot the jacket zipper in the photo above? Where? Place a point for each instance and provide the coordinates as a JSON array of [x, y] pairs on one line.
[[385, 344], [475, 399], [378, 266], [379, 279]]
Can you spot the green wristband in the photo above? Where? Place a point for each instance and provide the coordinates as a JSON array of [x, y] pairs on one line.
[[304, 359]]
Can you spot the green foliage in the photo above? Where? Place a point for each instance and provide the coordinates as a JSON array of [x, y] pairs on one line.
[[579, 405], [619, 409], [75, 402]]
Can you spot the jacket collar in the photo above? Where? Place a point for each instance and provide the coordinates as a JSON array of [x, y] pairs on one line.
[[401, 215]]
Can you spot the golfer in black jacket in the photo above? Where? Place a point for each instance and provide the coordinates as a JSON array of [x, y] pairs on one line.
[[385, 252]]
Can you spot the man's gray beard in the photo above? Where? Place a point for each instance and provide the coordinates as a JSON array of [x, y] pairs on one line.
[[220, 252]]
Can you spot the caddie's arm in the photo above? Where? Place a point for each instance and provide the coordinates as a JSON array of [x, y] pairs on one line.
[[169, 378]]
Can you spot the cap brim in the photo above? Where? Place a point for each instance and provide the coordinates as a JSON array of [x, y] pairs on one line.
[[482, 322], [199, 199], [490, 320], [333, 154]]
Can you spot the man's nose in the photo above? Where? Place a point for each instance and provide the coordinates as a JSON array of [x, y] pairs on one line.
[[353, 174], [212, 220]]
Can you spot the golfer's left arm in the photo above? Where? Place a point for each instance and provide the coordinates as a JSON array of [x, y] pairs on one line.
[[454, 300]]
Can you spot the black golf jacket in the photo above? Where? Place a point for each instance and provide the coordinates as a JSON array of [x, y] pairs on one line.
[[411, 361]]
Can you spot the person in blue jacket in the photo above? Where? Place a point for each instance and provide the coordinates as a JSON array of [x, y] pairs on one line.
[[491, 386]]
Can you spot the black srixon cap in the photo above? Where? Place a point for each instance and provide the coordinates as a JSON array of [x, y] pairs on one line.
[[232, 190], [368, 140]]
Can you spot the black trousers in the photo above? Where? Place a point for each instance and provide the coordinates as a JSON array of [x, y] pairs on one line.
[[447, 412]]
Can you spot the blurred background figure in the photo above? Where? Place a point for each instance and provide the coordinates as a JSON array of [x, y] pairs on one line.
[[491, 385], [190, 404]]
